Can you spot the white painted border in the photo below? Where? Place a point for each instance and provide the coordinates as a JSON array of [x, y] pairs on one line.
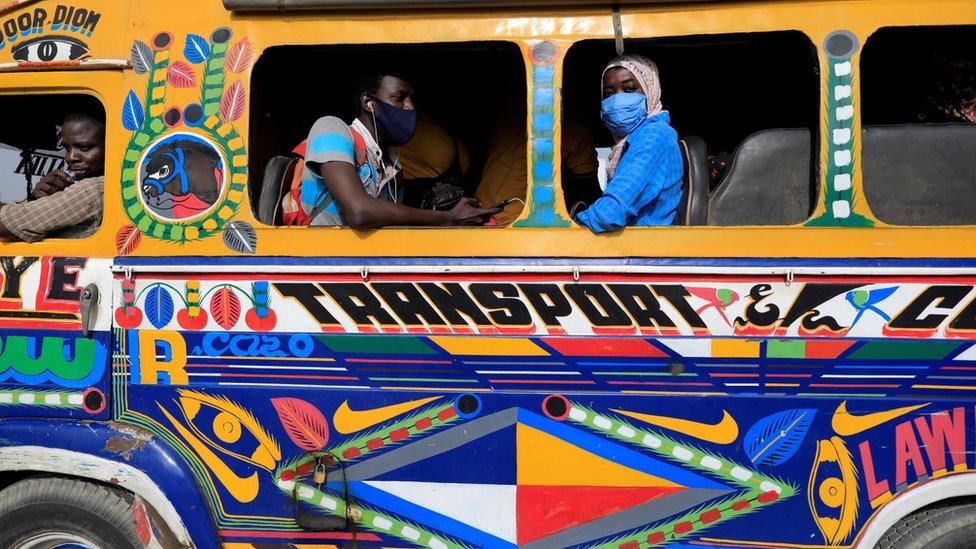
[[907, 503], [58, 461], [514, 267]]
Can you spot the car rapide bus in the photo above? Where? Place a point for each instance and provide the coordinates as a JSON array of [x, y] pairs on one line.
[[793, 364]]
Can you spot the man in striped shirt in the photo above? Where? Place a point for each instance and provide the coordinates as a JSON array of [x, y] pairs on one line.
[[64, 204]]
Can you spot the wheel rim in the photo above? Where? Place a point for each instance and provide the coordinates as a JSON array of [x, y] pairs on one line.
[[56, 540]]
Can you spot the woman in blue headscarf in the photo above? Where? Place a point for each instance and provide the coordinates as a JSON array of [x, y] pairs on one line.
[[645, 168]]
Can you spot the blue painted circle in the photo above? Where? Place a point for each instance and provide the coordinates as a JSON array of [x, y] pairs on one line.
[[467, 405]]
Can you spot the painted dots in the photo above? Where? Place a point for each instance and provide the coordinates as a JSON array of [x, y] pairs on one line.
[[162, 41], [602, 423], [710, 462], [220, 35]]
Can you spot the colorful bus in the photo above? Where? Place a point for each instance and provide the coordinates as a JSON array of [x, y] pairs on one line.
[[794, 366]]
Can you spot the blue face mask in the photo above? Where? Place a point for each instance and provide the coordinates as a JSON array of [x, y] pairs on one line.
[[622, 112]]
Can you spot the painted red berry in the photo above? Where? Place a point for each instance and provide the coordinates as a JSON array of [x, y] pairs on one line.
[[259, 324], [128, 318]]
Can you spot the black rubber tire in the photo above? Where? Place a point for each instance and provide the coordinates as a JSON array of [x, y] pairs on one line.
[[99, 515], [945, 526]]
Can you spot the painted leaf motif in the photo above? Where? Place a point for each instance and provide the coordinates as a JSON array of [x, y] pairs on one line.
[[158, 306], [240, 56], [196, 49], [127, 239], [141, 57], [304, 423], [132, 113], [225, 307], [232, 103], [180, 75], [775, 438], [241, 237]]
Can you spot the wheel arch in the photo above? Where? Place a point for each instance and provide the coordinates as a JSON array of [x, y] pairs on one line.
[[68, 463], [943, 489]]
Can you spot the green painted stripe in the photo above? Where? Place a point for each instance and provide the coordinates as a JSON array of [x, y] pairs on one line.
[[904, 350], [377, 344], [786, 348]]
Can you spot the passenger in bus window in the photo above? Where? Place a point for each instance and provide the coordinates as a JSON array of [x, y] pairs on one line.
[[351, 174], [434, 166], [66, 204], [644, 168]]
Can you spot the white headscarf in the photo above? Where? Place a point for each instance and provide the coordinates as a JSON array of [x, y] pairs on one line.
[[645, 72]]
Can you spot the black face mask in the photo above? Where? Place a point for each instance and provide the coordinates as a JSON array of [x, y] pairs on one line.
[[395, 126]]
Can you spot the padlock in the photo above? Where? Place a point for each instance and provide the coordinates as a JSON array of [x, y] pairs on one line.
[[318, 476]]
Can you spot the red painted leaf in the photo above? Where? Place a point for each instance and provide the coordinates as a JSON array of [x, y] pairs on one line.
[[232, 103], [240, 56], [304, 423], [127, 239], [181, 75], [225, 307]]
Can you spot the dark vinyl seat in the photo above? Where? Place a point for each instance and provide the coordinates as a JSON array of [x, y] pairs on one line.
[[769, 182], [693, 207], [920, 174], [277, 177]]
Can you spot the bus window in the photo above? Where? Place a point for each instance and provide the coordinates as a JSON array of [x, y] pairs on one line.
[[31, 150], [745, 106], [470, 138], [919, 124]]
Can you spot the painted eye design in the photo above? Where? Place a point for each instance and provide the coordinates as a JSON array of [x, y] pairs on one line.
[[832, 491], [161, 173], [226, 427], [46, 49]]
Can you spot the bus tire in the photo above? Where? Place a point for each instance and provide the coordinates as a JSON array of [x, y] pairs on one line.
[[64, 511], [942, 526]]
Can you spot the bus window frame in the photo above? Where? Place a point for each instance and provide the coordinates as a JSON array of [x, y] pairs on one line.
[[103, 85], [525, 55]]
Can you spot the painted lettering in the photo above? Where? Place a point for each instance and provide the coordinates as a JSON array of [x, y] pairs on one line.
[[408, 304]]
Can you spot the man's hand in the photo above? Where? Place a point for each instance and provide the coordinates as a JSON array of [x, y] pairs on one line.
[[53, 182], [468, 212]]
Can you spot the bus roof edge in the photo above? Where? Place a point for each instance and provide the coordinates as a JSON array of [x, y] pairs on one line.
[[299, 5]]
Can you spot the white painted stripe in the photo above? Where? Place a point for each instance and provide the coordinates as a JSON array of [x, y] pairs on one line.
[[842, 136], [577, 415], [244, 384], [329, 503], [602, 422], [842, 92], [683, 454], [6, 398], [76, 399], [710, 462], [305, 492], [626, 431], [286, 484], [298, 368], [652, 441], [844, 113], [52, 399], [435, 543], [410, 533], [592, 268], [741, 384], [740, 473], [841, 209], [382, 523], [26, 398], [842, 158], [968, 354], [842, 69], [767, 486], [842, 182], [688, 347]]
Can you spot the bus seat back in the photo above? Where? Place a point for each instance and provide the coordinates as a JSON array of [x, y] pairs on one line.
[[769, 181], [693, 208], [921, 174]]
